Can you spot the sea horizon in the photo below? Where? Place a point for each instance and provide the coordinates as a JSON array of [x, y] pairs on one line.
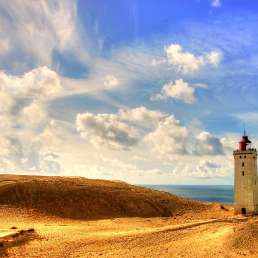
[[205, 193]]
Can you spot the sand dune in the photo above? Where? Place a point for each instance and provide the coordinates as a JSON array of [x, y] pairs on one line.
[[77, 217], [80, 198]]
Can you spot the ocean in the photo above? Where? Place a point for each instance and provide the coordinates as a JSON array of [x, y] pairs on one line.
[[206, 193]]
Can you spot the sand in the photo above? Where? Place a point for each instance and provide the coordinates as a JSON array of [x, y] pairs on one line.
[[80, 198], [209, 232], [131, 237]]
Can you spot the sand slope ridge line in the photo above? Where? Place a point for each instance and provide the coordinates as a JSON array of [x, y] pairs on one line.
[[81, 198]]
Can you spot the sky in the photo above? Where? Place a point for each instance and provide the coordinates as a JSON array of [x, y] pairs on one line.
[[144, 91]]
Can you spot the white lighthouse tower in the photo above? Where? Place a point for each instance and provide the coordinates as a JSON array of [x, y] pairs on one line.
[[245, 183]]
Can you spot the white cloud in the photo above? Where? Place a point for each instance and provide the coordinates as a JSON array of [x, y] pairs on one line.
[[163, 133], [38, 83], [207, 144], [213, 58], [42, 83], [165, 153], [142, 115], [49, 162], [7, 102], [11, 149], [54, 27], [202, 168], [121, 130], [34, 141], [24, 118], [168, 138], [180, 90], [111, 82], [187, 62], [34, 133], [209, 164], [216, 3], [106, 129], [127, 65], [23, 111], [206, 169], [35, 115]]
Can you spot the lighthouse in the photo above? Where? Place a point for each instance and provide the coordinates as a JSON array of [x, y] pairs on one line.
[[245, 180]]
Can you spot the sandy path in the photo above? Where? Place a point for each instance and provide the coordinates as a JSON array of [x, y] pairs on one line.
[[199, 241], [127, 237], [134, 237]]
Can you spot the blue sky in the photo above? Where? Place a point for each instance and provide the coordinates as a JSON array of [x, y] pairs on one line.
[[141, 91], [197, 26]]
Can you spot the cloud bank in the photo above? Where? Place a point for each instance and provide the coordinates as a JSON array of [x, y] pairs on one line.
[[25, 117]]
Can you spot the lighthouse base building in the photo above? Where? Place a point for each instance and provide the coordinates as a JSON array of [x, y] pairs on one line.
[[245, 181]]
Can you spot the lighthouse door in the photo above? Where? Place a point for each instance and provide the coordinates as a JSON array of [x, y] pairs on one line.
[[243, 211]]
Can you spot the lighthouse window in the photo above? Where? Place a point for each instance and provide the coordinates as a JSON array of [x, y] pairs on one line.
[[243, 164], [240, 157], [244, 157], [243, 173]]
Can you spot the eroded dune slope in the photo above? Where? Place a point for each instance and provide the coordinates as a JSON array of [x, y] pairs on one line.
[[80, 198]]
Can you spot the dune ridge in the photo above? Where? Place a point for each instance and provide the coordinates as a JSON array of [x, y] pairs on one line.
[[81, 198]]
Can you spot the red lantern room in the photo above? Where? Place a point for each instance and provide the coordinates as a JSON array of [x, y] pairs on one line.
[[244, 142]]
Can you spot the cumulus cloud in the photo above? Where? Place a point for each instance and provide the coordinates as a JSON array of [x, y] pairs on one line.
[[216, 3], [11, 150], [41, 83], [24, 117], [7, 101], [178, 90], [38, 83], [22, 97], [34, 115], [163, 133], [168, 138], [107, 129], [120, 130], [23, 112], [187, 62], [142, 115], [24, 150], [207, 144]]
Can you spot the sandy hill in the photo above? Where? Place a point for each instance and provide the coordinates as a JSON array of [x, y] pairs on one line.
[[80, 198]]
